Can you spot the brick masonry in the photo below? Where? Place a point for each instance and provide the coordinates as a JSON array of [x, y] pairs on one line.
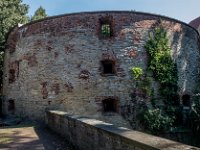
[[56, 63]]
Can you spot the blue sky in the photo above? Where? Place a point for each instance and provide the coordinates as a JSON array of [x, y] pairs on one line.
[[184, 10]]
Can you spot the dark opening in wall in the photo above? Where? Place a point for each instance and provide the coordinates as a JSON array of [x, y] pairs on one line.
[[186, 100], [11, 106], [49, 102], [11, 75], [108, 67], [109, 105]]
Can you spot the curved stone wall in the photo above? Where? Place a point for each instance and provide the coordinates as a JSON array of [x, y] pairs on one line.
[[63, 63]]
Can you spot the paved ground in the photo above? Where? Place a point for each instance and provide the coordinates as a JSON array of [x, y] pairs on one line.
[[31, 138]]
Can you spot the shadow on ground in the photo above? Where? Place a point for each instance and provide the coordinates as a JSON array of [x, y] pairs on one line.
[[31, 137]]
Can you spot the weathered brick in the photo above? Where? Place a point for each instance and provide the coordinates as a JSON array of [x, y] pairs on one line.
[[67, 53], [32, 60], [44, 91], [55, 88]]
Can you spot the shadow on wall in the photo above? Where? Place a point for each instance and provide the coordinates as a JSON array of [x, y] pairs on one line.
[[1, 106], [182, 59], [51, 140]]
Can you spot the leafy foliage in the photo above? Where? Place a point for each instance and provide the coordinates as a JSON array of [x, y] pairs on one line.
[[12, 13], [106, 30], [164, 71], [40, 13], [145, 85], [161, 64], [156, 122], [137, 73]]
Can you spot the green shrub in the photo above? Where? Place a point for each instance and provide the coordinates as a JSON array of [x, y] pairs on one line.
[[161, 63], [137, 73], [155, 122]]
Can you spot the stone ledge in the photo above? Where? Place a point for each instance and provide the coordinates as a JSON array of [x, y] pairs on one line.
[[127, 137]]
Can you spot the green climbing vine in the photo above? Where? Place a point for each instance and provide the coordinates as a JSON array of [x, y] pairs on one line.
[[158, 118], [161, 64], [162, 68], [164, 71], [143, 82]]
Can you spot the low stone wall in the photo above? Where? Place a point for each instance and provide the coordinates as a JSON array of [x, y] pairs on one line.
[[91, 134]]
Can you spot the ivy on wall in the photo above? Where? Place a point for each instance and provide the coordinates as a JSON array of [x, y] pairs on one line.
[[158, 118], [164, 71], [162, 65]]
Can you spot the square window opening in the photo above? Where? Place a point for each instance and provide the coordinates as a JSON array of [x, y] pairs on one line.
[[109, 105], [108, 67]]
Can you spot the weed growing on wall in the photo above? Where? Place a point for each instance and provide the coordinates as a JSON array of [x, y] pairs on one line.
[[137, 73]]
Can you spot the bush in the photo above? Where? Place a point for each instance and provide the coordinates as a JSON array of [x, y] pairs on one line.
[[155, 122], [161, 63]]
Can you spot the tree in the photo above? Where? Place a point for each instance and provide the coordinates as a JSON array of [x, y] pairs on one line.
[[40, 13], [12, 12]]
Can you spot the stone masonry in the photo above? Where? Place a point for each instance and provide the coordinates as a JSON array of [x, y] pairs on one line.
[[65, 63], [92, 134]]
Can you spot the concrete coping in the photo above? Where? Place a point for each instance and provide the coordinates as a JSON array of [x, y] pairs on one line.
[[140, 139]]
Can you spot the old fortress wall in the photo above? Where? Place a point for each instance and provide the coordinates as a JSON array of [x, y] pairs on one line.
[[65, 63]]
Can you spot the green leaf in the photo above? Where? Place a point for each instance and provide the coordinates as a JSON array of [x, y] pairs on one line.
[[40, 13]]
